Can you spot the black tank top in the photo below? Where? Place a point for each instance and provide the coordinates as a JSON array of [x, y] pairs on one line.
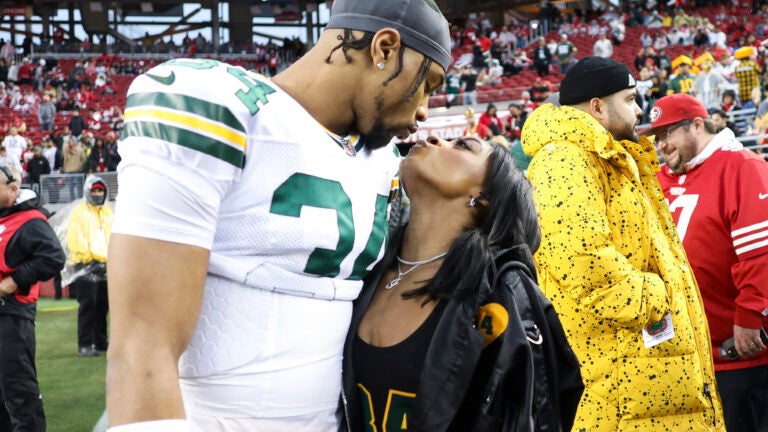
[[387, 377]]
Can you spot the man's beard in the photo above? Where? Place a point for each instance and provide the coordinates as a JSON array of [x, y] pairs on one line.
[[378, 136], [626, 133], [679, 167]]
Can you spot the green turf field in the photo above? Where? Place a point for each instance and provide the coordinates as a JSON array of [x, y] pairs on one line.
[[72, 386]]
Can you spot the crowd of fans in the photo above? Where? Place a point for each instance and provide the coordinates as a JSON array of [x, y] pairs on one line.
[[69, 112], [65, 110], [712, 50]]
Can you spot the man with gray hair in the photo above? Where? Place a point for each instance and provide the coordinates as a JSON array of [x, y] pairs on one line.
[[31, 253], [249, 212]]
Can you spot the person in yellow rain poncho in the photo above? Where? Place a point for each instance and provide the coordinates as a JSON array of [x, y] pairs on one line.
[[88, 230], [611, 262]]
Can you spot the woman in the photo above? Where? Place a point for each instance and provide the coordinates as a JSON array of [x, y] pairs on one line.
[[439, 337], [491, 120]]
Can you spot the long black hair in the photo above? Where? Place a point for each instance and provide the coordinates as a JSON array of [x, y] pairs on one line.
[[506, 221]]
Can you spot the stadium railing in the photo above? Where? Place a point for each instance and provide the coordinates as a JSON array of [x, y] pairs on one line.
[[64, 188]]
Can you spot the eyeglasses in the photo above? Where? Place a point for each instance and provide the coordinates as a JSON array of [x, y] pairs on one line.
[[664, 136]]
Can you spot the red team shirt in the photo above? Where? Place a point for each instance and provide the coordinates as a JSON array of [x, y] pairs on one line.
[[720, 208]]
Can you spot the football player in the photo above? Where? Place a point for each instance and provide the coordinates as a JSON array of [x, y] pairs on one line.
[[249, 212]]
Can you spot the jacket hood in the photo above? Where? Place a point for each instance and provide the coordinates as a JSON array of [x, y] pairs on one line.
[[89, 183], [550, 123]]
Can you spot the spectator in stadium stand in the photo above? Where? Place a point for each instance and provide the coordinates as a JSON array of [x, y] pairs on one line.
[[719, 119], [708, 83], [497, 50], [273, 62], [520, 61], [730, 105], [469, 85], [3, 76], [6, 159], [76, 123], [683, 80], [716, 190], [540, 90], [26, 70], [54, 157], [167, 270], [515, 121], [663, 61], [7, 50], [542, 57], [747, 71], [13, 73], [491, 120], [31, 253], [192, 50], [37, 165], [60, 139], [603, 46], [113, 157], [74, 158], [565, 51], [14, 143], [93, 123], [473, 127], [98, 157], [452, 87], [479, 60], [643, 55], [51, 153], [19, 123], [46, 113], [526, 102], [495, 73], [611, 263], [88, 230]]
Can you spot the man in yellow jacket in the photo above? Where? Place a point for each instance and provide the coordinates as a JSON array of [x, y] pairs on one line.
[[88, 230], [611, 262]]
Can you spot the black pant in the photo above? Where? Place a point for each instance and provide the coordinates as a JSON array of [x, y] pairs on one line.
[[745, 398], [92, 312], [21, 404]]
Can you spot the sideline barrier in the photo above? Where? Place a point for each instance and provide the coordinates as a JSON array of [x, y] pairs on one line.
[[64, 188]]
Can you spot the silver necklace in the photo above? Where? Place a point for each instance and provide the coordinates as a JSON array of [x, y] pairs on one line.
[[401, 274]]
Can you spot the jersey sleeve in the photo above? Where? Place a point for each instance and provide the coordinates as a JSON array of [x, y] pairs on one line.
[[182, 148], [747, 209]]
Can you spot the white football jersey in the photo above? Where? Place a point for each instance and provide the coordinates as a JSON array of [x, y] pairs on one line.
[[219, 157]]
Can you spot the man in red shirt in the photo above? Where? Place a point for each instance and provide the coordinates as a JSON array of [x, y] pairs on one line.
[[717, 192]]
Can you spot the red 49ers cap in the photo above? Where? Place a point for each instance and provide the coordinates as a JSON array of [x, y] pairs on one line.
[[676, 108]]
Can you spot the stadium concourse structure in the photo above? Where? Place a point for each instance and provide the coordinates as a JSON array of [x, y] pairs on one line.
[[103, 18]]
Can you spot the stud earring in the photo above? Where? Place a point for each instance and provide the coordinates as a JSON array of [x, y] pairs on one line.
[[380, 65], [472, 202]]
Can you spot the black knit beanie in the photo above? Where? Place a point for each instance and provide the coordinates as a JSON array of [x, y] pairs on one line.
[[594, 77]]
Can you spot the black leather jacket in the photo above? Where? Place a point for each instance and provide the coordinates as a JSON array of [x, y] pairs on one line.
[[465, 387]]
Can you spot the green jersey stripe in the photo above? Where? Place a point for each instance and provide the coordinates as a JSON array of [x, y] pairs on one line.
[[202, 108], [185, 138]]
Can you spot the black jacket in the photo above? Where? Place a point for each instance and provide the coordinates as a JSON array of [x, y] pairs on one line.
[[36, 167], [465, 387], [35, 252]]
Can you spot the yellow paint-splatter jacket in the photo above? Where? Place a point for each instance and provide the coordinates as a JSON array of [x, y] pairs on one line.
[[611, 263]]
